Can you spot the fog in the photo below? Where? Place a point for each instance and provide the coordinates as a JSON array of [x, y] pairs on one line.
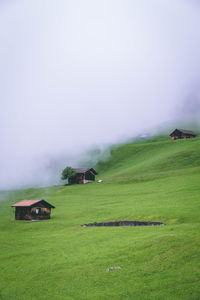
[[80, 75]]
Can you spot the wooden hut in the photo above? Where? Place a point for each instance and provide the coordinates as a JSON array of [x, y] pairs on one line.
[[32, 210], [83, 175], [182, 134]]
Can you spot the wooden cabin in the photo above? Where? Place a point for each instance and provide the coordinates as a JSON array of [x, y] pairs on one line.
[[32, 210], [182, 134], [83, 175]]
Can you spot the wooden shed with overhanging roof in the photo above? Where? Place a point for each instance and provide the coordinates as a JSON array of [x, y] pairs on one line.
[[83, 175], [182, 134], [37, 209]]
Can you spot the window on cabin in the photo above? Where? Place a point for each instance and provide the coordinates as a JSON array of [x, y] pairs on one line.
[[38, 210]]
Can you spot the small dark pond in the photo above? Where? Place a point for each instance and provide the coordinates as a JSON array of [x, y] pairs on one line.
[[124, 223]]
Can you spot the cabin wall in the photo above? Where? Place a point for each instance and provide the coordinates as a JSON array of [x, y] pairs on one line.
[[22, 213], [179, 135], [89, 176], [85, 178], [80, 178], [17, 213], [38, 212], [186, 136]]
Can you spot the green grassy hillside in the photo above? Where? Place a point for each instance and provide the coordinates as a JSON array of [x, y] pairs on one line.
[[157, 180]]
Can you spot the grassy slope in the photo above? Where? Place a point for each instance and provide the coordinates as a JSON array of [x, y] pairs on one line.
[[57, 259]]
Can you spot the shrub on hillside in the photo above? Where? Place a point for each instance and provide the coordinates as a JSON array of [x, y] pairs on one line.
[[68, 173]]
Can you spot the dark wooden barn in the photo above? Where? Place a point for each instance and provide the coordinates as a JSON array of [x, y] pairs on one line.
[[182, 134], [83, 175], [32, 210]]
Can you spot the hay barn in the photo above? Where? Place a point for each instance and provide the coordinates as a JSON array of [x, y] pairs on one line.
[[32, 210], [182, 134], [83, 175]]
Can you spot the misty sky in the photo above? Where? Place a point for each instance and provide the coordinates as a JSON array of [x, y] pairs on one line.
[[77, 74]]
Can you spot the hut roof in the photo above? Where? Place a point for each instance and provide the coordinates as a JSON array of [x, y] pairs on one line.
[[185, 131], [84, 170], [28, 203]]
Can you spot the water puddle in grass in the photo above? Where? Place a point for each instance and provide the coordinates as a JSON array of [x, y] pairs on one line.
[[123, 223]]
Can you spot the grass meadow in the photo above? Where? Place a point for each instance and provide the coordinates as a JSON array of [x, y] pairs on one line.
[[155, 180]]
